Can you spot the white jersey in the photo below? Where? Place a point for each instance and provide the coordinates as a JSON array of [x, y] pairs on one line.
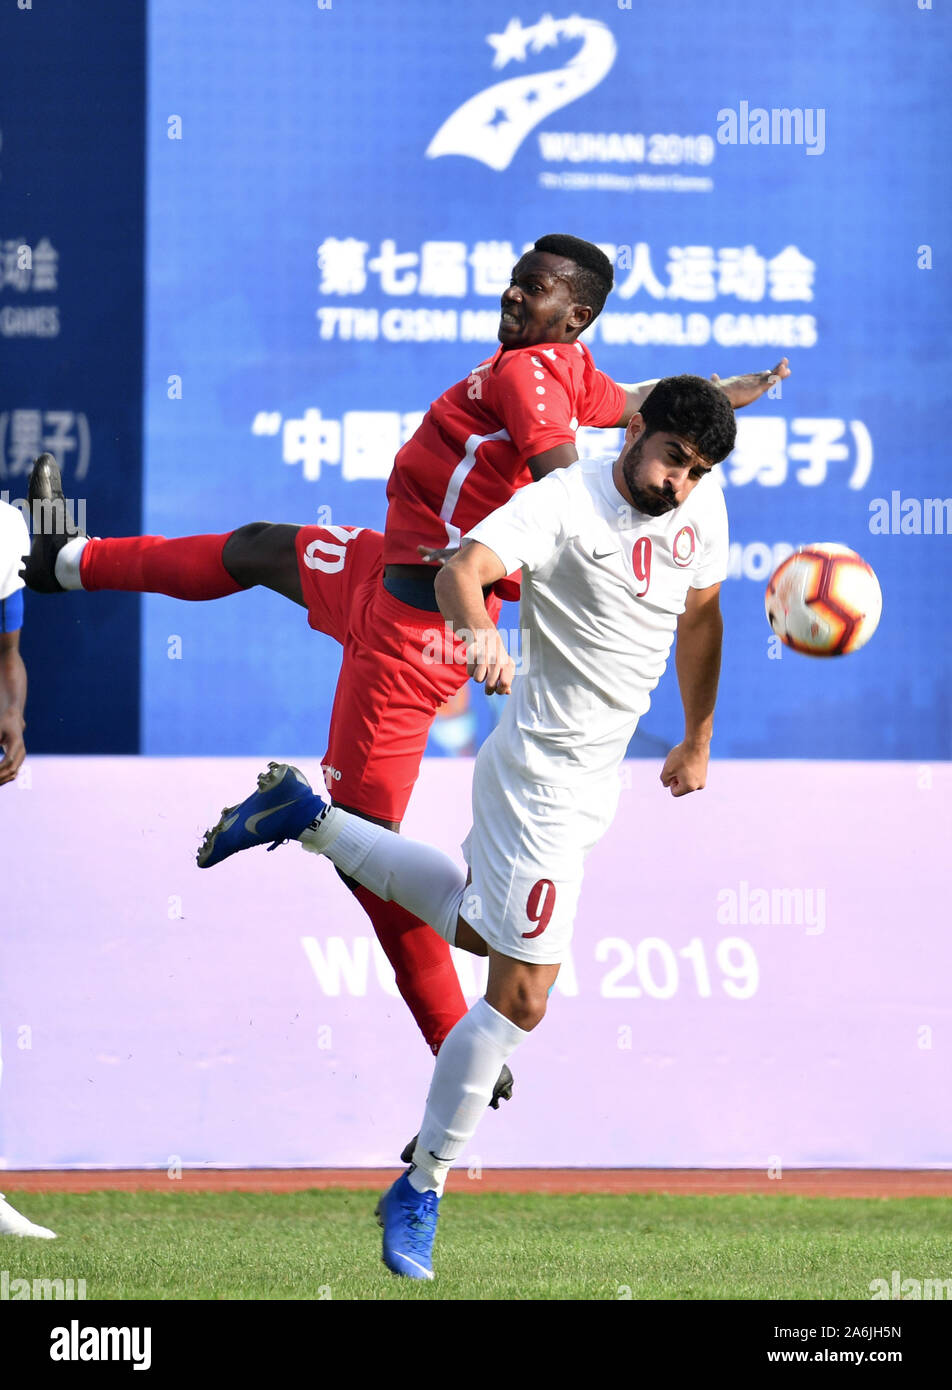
[[602, 588], [14, 545]]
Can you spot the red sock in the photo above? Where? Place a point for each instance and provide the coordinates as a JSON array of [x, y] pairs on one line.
[[426, 976], [190, 567]]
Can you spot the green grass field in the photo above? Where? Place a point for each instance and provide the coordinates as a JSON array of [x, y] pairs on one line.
[[316, 1244]]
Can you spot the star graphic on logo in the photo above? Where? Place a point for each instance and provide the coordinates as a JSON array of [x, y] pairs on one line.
[[510, 44], [499, 117], [545, 34]]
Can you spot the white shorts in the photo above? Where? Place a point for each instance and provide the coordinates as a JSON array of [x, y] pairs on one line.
[[526, 851]]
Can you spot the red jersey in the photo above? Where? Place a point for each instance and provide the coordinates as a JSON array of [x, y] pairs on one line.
[[470, 452]]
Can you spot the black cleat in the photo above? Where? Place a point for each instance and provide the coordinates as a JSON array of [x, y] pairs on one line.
[[52, 526], [501, 1091], [503, 1088]]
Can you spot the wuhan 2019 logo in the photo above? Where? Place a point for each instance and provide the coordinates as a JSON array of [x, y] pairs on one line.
[[491, 125]]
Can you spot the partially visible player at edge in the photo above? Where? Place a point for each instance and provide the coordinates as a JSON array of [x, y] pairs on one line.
[[14, 544], [512, 421], [617, 555]]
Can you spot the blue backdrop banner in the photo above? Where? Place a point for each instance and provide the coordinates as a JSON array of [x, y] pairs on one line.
[[336, 195]]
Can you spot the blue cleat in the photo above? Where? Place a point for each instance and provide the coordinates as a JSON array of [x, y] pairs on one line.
[[279, 810], [409, 1222]]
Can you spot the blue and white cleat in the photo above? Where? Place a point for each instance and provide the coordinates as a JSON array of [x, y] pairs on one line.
[[409, 1222], [279, 810]]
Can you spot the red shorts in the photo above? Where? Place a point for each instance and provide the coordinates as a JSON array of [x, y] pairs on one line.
[[398, 667]]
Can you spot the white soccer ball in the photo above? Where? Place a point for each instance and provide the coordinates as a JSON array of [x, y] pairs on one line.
[[824, 600]]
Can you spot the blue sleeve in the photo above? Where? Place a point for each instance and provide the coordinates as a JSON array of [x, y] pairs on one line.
[[11, 612]]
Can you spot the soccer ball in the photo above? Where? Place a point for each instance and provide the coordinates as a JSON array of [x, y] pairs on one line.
[[824, 600]]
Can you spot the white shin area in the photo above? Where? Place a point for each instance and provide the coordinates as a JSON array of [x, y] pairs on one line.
[[467, 1065], [420, 878]]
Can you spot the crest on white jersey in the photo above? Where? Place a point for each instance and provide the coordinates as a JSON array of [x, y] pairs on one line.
[[492, 125], [684, 546]]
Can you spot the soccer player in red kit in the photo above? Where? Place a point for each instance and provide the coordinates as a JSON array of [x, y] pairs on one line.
[[513, 420]]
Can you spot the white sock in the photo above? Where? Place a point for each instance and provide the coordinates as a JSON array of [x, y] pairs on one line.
[[66, 569], [467, 1065], [420, 878]]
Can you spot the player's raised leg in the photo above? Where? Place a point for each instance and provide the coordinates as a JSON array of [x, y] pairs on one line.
[[195, 568], [426, 885], [422, 879]]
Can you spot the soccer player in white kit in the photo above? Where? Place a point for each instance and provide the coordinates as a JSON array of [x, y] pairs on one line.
[[617, 556], [14, 545]]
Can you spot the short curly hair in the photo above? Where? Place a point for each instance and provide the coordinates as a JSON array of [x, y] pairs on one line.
[[594, 277], [695, 410]]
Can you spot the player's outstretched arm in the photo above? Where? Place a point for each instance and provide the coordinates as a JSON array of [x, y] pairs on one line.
[[12, 704], [744, 390], [698, 662], [740, 390], [459, 592]]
